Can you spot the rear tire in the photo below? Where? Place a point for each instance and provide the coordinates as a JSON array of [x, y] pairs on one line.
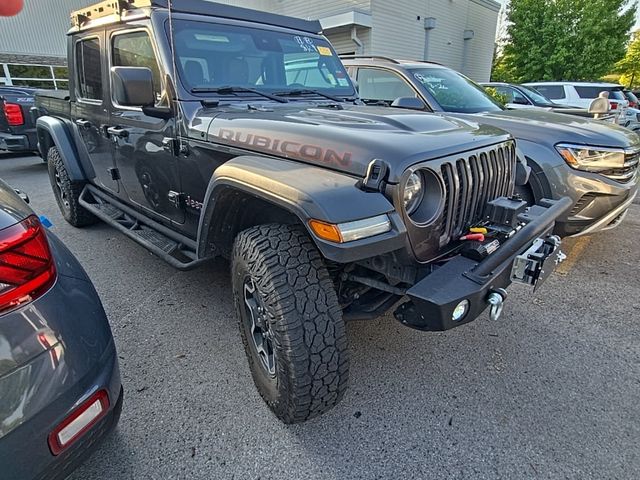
[[67, 192], [290, 321]]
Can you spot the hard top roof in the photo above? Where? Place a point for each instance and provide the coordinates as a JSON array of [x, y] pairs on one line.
[[117, 9]]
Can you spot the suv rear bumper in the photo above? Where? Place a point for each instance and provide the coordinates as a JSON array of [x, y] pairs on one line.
[[433, 300]]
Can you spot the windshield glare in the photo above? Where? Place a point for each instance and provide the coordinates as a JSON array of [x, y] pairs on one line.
[[214, 55], [453, 91]]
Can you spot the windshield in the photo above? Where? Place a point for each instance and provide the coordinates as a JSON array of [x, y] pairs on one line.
[[211, 56], [536, 96], [453, 91]]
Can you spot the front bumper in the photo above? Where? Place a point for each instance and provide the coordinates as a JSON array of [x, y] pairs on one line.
[[433, 300], [15, 143]]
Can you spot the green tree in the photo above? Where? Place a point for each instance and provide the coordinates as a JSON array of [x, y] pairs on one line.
[[629, 66], [565, 39]]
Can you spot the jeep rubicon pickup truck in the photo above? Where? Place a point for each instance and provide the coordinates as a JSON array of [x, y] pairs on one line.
[[203, 130]]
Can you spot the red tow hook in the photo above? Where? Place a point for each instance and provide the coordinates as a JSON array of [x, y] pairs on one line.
[[473, 236]]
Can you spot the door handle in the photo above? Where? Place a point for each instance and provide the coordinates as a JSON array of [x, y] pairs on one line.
[[82, 123], [118, 132]]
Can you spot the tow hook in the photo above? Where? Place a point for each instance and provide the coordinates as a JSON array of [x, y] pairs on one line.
[[496, 299]]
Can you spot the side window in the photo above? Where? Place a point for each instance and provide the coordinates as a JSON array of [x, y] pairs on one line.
[[89, 69], [136, 50], [507, 92], [378, 85], [554, 92]]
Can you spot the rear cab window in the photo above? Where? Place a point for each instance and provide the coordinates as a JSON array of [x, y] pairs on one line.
[[88, 70]]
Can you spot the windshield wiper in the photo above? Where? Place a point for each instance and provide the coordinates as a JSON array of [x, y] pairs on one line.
[[227, 90], [307, 91]]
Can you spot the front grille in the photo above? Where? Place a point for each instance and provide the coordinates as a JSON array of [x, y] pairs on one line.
[[628, 171], [472, 181]]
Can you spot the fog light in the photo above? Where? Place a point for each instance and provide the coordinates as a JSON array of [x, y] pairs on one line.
[[460, 311]]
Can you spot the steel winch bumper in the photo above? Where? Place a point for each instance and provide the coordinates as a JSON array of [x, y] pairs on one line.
[[461, 289]]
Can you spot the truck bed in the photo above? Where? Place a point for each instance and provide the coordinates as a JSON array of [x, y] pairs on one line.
[[53, 102]]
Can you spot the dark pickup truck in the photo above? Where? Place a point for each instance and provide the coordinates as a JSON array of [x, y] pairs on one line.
[[17, 129], [203, 130]]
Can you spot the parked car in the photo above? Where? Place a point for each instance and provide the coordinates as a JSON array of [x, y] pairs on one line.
[[633, 99], [523, 97], [60, 389], [581, 94], [328, 209], [17, 129], [594, 163]]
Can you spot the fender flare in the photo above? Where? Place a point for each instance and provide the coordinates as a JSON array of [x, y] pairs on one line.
[[53, 131], [308, 192]]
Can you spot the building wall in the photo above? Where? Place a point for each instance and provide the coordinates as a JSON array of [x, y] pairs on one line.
[[446, 42]]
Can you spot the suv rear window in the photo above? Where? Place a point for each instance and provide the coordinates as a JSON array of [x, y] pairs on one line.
[[89, 69], [594, 92], [554, 92]]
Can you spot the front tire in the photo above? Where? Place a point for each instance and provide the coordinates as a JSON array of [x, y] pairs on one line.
[[290, 321], [67, 192]]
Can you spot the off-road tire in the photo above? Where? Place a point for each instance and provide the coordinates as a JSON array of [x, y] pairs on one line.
[[304, 318], [70, 207]]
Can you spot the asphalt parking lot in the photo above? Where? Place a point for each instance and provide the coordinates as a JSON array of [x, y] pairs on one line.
[[549, 391]]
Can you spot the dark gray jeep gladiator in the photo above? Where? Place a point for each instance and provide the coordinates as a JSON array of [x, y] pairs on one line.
[[203, 130]]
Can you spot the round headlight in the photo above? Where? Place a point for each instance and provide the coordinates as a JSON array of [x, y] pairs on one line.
[[413, 193]]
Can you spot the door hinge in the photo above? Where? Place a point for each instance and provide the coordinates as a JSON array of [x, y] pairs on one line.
[[115, 174], [174, 146]]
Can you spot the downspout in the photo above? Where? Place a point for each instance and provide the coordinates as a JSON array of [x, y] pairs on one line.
[[357, 41]]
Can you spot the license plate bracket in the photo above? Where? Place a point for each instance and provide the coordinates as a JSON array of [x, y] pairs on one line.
[[535, 265]]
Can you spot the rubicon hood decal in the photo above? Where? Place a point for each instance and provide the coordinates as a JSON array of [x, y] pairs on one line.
[[281, 147]]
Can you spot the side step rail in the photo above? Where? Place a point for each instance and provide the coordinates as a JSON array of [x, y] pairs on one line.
[[175, 249]]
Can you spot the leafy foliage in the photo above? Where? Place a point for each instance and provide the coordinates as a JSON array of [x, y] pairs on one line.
[[501, 98], [564, 39], [629, 66]]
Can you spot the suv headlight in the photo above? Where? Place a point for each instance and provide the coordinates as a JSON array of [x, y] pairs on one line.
[[592, 159], [413, 192]]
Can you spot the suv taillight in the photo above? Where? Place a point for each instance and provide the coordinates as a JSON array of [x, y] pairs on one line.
[[614, 105], [14, 115], [27, 268]]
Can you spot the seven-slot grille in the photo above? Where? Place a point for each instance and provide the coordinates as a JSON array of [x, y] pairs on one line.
[[471, 182], [628, 171]]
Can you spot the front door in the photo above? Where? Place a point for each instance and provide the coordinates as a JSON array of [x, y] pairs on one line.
[[89, 111], [146, 165]]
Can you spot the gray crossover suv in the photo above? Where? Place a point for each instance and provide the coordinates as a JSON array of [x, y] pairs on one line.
[[60, 390], [594, 163]]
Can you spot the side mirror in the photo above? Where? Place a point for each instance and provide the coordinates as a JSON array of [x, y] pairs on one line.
[[599, 106], [520, 101], [412, 103], [132, 86]]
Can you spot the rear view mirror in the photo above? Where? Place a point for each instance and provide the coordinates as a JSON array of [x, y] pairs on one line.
[[132, 86], [599, 106], [412, 103]]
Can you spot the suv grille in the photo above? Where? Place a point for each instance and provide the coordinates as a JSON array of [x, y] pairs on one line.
[[628, 171], [473, 181]]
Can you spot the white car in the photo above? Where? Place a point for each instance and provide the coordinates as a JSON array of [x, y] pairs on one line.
[[581, 94]]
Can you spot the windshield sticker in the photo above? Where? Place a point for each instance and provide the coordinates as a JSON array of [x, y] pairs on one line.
[[305, 43], [343, 82], [325, 51]]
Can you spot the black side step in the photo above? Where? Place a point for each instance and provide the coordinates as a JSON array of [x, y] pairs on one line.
[[173, 248]]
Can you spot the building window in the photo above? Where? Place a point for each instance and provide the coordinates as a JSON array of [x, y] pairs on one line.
[[89, 69]]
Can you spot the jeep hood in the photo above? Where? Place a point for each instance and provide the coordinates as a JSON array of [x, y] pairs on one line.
[[552, 128], [346, 139]]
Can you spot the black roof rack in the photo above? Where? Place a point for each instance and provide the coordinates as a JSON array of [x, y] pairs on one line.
[[117, 8], [351, 56]]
